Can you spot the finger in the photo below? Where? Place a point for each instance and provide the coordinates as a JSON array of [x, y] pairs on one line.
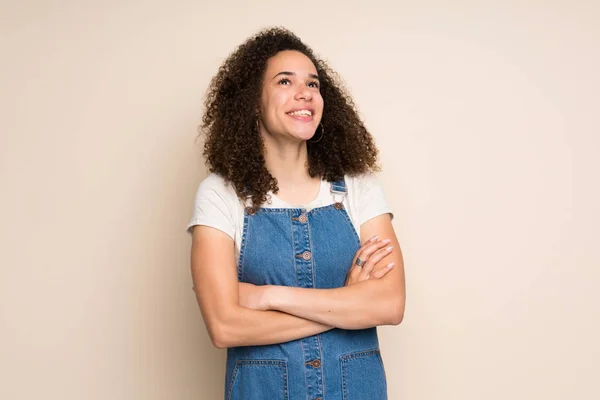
[[380, 273], [369, 248], [374, 259], [364, 246], [364, 252], [369, 259], [354, 272]]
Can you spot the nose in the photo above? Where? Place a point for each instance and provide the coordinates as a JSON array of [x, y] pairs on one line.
[[303, 93]]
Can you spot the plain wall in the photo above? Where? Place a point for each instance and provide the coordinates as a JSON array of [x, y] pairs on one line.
[[487, 118]]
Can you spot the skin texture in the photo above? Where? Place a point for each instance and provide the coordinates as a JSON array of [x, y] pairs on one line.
[[290, 84], [241, 314], [228, 321], [367, 303]]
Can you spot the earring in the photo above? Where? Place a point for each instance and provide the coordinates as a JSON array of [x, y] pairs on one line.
[[320, 137]]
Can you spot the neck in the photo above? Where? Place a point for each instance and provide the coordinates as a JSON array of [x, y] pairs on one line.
[[287, 161]]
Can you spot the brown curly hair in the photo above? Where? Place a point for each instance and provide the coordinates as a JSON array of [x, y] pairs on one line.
[[233, 146]]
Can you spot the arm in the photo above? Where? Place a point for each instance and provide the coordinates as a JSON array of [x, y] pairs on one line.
[[363, 305], [216, 287]]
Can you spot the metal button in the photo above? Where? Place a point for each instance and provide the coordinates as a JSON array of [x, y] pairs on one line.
[[303, 218], [250, 210], [316, 363], [306, 255], [338, 206]]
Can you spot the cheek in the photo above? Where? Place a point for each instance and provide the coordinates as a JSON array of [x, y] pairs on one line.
[[279, 100], [274, 102], [318, 100]]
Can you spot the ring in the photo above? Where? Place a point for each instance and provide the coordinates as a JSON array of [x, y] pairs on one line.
[[359, 262]]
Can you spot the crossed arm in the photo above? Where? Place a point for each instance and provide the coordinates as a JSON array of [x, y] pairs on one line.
[[241, 315]]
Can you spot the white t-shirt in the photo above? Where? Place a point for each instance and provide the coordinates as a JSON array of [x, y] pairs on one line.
[[218, 206]]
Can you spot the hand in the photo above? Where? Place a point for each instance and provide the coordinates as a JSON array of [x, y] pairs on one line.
[[370, 253], [253, 296]]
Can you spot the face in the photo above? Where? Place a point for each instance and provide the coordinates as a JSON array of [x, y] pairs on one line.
[[291, 102]]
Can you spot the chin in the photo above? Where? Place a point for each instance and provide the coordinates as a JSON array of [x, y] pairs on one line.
[[302, 134], [305, 135]]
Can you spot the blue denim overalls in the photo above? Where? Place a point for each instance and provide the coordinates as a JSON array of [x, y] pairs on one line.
[[310, 249]]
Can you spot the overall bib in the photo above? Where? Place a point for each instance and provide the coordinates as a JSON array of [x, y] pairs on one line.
[[309, 249]]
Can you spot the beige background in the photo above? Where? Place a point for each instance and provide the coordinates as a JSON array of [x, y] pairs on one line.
[[487, 116]]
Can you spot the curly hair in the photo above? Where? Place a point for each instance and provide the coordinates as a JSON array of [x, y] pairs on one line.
[[233, 146]]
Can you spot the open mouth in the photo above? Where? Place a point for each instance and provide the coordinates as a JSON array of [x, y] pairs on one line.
[[301, 113]]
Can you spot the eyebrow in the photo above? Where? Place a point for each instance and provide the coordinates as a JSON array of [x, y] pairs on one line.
[[288, 73]]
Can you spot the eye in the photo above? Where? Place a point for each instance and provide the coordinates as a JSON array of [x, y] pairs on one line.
[[285, 81], [314, 84]]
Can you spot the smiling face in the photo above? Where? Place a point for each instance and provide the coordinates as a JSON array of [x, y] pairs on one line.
[[291, 102]]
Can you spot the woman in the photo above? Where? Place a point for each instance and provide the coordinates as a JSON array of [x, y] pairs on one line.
[[279, 271]]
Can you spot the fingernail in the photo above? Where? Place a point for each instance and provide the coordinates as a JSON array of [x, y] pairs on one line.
[[374, 238], [389, 248], [390, 265], [386, 240]]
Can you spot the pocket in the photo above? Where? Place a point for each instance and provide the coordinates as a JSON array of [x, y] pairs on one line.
[[363, 376], [259, 380]]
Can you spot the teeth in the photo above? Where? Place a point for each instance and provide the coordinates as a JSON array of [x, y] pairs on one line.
[[301, 112]]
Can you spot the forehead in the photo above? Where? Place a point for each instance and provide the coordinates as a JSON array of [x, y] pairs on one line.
[[289, 60]]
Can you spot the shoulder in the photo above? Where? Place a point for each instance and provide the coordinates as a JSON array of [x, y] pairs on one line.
[[366, 196], [362, 183], [214, 190], [215, 182], [216, 204], [216, 185]]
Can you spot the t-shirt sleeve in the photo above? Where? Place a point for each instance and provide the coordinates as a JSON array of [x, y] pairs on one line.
[[371, 201], [214, 206]]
